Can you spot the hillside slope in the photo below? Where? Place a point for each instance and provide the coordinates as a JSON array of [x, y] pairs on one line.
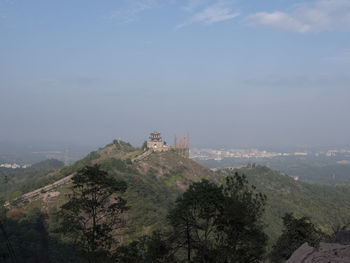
[[328, 206], [21, 180], [154, 182]]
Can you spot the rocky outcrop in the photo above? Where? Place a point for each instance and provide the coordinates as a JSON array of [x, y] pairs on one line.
[[342, 237], [326, 253]]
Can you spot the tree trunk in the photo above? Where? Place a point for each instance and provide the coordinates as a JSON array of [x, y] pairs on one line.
[[188, 243]]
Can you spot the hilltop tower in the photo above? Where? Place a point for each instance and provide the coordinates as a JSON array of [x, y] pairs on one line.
[[156, 143], [182, 145]]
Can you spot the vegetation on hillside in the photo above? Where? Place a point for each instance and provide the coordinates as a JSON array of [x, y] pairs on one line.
[[214, 223], [206, 221], [155, 182], [325, 205], [93, 213], [313, 169], [296, 231], [15, 182]]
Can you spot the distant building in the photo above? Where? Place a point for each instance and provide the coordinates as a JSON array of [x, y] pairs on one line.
[[181, 147], [300, 154], [156, 143]]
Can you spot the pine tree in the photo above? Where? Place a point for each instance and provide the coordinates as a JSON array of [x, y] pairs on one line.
[[94, 212]]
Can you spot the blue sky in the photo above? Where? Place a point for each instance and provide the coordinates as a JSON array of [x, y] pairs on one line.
[[234, 73]]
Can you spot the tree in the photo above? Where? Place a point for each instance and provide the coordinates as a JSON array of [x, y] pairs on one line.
[[94, 212], [239, 226], [193, 219], [147, 249], [220, 223], [144, 146], [295, 233], [23, 236]]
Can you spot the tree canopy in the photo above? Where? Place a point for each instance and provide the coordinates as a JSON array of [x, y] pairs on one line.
[[94, 212], [220, 223], [296, 232]]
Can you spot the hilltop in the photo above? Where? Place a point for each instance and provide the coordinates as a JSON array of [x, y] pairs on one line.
[[154, 179]]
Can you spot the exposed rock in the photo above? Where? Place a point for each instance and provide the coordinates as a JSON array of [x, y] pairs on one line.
[[326, 253], [343, 237]]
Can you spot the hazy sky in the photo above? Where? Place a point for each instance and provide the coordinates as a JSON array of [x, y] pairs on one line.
[[235, 73]]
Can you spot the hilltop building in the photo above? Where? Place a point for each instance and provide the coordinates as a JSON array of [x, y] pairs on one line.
[[156, 143], [182, 145]]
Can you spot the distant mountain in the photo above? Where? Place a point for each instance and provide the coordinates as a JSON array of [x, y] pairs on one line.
[[314, 169], [156, 179]]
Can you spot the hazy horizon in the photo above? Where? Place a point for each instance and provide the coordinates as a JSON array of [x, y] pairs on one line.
[[234, 73]]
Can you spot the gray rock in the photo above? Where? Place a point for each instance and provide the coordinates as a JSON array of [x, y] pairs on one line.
[[327, 253], [343, 237]]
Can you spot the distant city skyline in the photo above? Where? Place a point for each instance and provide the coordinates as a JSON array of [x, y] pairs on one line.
[[234, 73]]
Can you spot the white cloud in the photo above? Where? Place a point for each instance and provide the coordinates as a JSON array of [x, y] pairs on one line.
[[132, 10], [313, 16], [211, 14], [202, 11], [214, 14], [277, 20]]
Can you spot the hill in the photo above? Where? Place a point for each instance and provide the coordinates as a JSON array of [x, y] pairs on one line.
[[15, 182], [156, 179], [313, 169], [328, 206]]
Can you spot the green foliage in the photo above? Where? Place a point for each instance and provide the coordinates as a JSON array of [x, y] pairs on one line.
[[147, 249], [295, 233], [220, 224], [193, 219], [156, 181], [240, 225], [123, 146], [113, 163], [92, 156], [15, 182], [148, 197], [314, 169], [93, 212], [325, 205], [144, 146], [26, 234]]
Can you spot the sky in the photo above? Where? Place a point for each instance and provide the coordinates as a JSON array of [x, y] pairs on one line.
[[234, 73]]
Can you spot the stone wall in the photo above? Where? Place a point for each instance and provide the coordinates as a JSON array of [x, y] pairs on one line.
[[157, 146]]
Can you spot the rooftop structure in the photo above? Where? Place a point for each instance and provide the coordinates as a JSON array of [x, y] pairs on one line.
[[155, 137], [156, 143], [181, 146]]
